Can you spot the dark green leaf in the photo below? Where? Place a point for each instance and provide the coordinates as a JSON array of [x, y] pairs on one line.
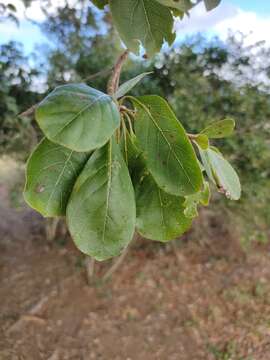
[[221, 173], [143, 22], [78, 117], [50, 175], [220, 129], [211, 4], [100, 3], [160, 216], [168, 153], [101, 212], [128, 85], [182, 5]]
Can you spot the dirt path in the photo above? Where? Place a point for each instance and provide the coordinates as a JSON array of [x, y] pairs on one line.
[[212, 302]]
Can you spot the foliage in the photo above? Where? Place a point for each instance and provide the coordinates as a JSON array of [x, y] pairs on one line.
[[83, 124], [148, 22], [204, 82], [16, 134]]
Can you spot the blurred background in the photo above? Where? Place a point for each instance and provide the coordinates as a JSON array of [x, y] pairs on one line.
[[206, 295]]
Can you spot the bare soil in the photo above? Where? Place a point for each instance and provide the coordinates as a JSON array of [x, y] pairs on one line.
[[205, 300]]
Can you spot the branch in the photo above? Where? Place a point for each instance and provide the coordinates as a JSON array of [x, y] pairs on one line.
[[99, 73], [113, 82]]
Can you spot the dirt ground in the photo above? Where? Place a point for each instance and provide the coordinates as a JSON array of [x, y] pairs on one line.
[[205, 299]]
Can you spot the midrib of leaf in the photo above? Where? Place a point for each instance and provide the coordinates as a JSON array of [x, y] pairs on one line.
[[79, 113], [168, 143], [161, 210], [109, 183], [58, 179], [148, 23]]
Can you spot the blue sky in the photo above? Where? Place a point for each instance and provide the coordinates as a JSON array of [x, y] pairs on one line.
[[248, 16]]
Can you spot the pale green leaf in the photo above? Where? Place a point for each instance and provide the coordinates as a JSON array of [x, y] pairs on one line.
[[144, 22], [221, 173], [78, 117], [193, 201], [128, 85], [220, 129], [50, 175], [168, 153], [101, 212], [201, 140], [160, 216]]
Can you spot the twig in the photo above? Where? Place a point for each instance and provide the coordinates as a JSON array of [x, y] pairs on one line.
[[32, 109], [118, 262], [90, 269], [192, 136], [180, 258], [113, 82], [29, 111], [99, 73]]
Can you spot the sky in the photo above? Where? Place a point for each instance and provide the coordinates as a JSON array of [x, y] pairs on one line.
[[251, 17]]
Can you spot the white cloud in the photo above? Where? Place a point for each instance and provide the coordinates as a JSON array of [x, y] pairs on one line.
[[224, 18]]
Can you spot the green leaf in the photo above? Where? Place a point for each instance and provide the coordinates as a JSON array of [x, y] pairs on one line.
[[193, 201], [101, 211], [160, 216], [144, 22], [100, 3], [78, 117], [50, 175], [182, 5], [201, 140], [128, 85], [211, 4], [220, 129], [168, 153], [221, 173]]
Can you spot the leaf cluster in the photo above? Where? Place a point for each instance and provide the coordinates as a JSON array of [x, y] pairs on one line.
[[113, 164]]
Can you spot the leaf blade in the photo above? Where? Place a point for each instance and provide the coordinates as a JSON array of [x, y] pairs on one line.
[[50, 175], [219, 129], [221, 173], [211, 4], [144, 21], [78, 117], [101, 211], [130, 84], [160, 216], [168, 153]]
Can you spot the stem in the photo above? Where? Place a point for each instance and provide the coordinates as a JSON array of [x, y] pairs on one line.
[[113, 82], [125, 137], [192, 136], [129, 123]]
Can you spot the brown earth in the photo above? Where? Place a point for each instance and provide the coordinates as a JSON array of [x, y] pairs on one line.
[[205, 300]]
